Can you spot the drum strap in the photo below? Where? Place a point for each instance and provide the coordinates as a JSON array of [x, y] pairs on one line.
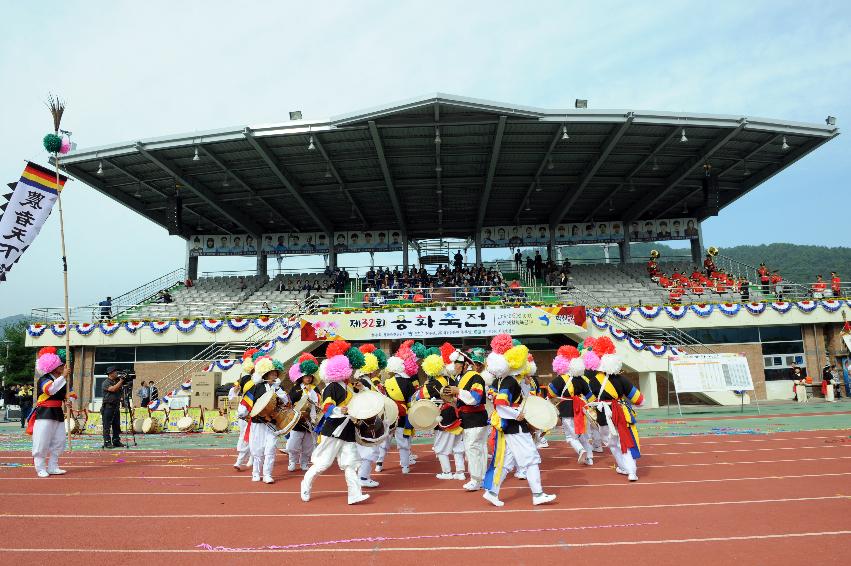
[[339, 430]]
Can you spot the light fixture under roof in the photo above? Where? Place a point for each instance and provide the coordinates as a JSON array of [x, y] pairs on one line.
[[196, 157], [138, 193], [564, 135], [437, 140], [100, 168], [226, 182], [550, 164], [784, 146], [328, 172], [655, 164], [683, 138], [581, 103], [295, 115], [747, 170], [685, 208], [311, 146], [611, 205], [438, 168], [528, 206]]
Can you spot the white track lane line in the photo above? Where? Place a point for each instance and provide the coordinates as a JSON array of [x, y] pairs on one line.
[[596, 468], [631, 485], [376, 549], [416, 513]]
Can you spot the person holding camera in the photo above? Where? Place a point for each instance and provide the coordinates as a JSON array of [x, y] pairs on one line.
[[110, 409]]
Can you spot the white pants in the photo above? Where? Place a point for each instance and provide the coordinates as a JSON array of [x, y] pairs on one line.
[[624, 461], [476, 450], [263, 443], [578, 442], [404, 444], [446, 443], [598, 435], [243, 450], [300, 447], [48, 444], [521, 451], [384, 447], [347, 456], [368, 456]]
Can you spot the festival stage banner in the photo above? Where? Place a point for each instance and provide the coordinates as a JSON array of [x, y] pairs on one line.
[[449, 323], [25, 213]]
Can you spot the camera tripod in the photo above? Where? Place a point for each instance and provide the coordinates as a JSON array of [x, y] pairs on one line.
[[129, 412]]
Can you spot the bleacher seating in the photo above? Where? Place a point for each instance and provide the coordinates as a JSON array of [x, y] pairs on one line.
[[321, 286], [208, 296], [629, 284]]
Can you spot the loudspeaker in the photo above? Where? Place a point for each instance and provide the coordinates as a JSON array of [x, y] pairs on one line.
[[711, 195], [174, 215]]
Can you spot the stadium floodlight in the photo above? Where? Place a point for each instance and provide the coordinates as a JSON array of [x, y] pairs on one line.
[[100, 168], [581, 103], [295, 115], [564, 135], [830, 120], [785, 145], [196, 157], [683, 138], [311, 146]]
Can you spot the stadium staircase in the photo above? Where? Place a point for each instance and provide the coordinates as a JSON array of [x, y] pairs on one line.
[[233, 350], [792, 291], [127, 305]]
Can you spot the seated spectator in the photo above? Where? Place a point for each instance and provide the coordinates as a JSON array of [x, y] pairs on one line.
[[696, 275], [188, 283], [745, 289], [697, 288], [664, 282], [280, 286], [265, 308], [242, 284], [819, 287], [165, 297]]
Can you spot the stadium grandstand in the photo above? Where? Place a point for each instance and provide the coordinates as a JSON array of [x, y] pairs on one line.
[[442, 181]]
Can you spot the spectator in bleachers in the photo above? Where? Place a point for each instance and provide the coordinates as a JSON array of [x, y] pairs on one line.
[[265, 308], [835, 284], [744, 290], [709, 265], [281, 286], [530, 265], [242, 284], [518, 260], [777, 285], [819, 287], [106, 309], [539, 265], [764, 277], [458, 260], [165, 297], [188, 283]]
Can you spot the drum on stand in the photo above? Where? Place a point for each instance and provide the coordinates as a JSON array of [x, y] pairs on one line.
[[150, 426], [72, 426], [220, 424], [185, 424], [424, 414]]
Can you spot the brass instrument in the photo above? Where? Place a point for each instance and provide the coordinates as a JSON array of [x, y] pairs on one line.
[[712, 250], [446, 395], [654, 254]]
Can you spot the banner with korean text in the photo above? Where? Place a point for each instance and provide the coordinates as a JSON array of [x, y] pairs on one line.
[[24, 214], [442, 323]]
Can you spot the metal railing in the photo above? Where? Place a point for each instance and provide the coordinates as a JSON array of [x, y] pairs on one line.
[[669, 336], [791, 290], [150, 289], [448, 295]]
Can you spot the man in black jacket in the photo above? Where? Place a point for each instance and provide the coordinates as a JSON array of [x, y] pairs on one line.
[[111, 408]]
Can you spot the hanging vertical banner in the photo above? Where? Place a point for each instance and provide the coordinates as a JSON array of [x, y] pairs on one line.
[[25, 213]]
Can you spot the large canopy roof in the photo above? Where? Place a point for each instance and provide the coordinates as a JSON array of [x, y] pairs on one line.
[[444, 165]]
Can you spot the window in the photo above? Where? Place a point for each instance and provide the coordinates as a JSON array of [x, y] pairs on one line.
[[180, 352], [115, 354], [782, 348], [739, 335], [780, 333]]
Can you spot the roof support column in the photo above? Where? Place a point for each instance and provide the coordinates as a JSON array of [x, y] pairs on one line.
[[478, 240], [262, 261], [405, 250]]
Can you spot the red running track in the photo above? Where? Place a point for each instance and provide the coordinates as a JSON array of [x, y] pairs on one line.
[[767, 499]]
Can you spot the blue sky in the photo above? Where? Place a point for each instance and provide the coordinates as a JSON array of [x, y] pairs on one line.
[[132, 70]]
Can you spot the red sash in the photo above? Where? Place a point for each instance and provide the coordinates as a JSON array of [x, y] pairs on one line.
[[247, 430], [619, 420], [472, 409], [53, 404], [578, 415]]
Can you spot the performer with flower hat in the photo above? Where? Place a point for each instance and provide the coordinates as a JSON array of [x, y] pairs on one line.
[[447, 438], [366, 380], [572, 393], [262, 437], [302, 439], [615, 399], [513, 444], [337, 440], [237, 391], [471, 393], [401, 385], [47, 420]]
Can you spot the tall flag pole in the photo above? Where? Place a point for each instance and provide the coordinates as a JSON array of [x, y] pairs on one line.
[[58, 145]]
